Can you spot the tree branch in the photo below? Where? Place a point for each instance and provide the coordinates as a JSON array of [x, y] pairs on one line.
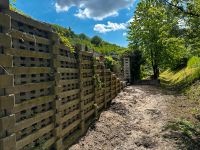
[[181, 9]]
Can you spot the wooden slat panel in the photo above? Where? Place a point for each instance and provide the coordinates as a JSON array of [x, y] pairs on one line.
[[25, 141], [70, 127], [70, 115], [29, 70], [86, 70], [88, 96], [25, 36], [86, 62], [28, 122], [67, 59], [49, 143], [87, 79], [34, 102], [28, 87], [89, 105], [72, 138], [30, 21], [89, 114], [69, 104], [64, 82], [86, 53], [27, 53], [67, 70], [88, 88], [68, 93]]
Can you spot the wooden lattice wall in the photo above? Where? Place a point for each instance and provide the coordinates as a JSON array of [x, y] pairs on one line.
[[48, 95]]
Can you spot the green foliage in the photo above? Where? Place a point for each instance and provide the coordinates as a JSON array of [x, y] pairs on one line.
[[99, 46], [110, 62], [63, 34], [155, 31], [98, 83], [136, 61], [193, 93], [184, 77], [97, 41], [186, 133]]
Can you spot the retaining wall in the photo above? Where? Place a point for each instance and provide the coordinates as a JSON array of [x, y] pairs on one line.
[[48, 95]]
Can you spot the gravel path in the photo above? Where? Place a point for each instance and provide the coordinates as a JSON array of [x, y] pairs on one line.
[[135, 121]]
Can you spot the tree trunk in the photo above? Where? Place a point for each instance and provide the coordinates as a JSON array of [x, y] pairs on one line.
[[155, 71]]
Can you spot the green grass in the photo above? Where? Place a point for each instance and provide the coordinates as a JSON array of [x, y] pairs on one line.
[[184, 77], [186, 133]]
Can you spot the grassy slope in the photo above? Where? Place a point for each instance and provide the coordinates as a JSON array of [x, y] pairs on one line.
[[182, 78], [186, 130]]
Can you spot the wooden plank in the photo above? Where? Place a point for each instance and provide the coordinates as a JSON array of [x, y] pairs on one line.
[[87, 115], [5, 60], [69, 104], [37, 118], [6, 81], [49, 143], [86, 70], [5, 20], [29, 70], [29, 21], [27, 53], [28, 87], [29, 139], [86, 62], [88, 96], [72, 138], [85, 53], [7, 103], [89, 105], [5, 40], [8, 143], [67, 70], [7, 124], [29, 37], [69, 116], [70, 127], [32, 103], [64, 58], [88, 88], [65, 82], [87, 79], [101, 106], [68, 93]]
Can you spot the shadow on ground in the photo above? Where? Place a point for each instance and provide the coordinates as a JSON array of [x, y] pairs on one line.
[[186, 134]]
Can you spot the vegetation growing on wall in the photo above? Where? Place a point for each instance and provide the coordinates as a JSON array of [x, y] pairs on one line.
[[95, 43]]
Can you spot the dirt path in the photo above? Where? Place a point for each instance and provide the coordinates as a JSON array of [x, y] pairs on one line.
[[134, 121]]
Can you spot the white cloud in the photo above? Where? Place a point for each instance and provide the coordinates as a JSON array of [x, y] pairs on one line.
[[94, 9], [124, 34], [110, 26], [60, 8]]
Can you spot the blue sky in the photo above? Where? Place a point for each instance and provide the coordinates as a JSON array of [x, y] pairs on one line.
[[105, 18]]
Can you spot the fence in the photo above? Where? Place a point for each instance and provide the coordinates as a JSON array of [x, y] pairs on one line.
[[48, 95]]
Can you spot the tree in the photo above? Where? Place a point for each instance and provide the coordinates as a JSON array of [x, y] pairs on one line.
[[82, 36], [97, 41], [152, 32], [136, 61]]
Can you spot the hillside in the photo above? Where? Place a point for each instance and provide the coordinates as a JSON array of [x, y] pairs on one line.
[[98, 45]]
